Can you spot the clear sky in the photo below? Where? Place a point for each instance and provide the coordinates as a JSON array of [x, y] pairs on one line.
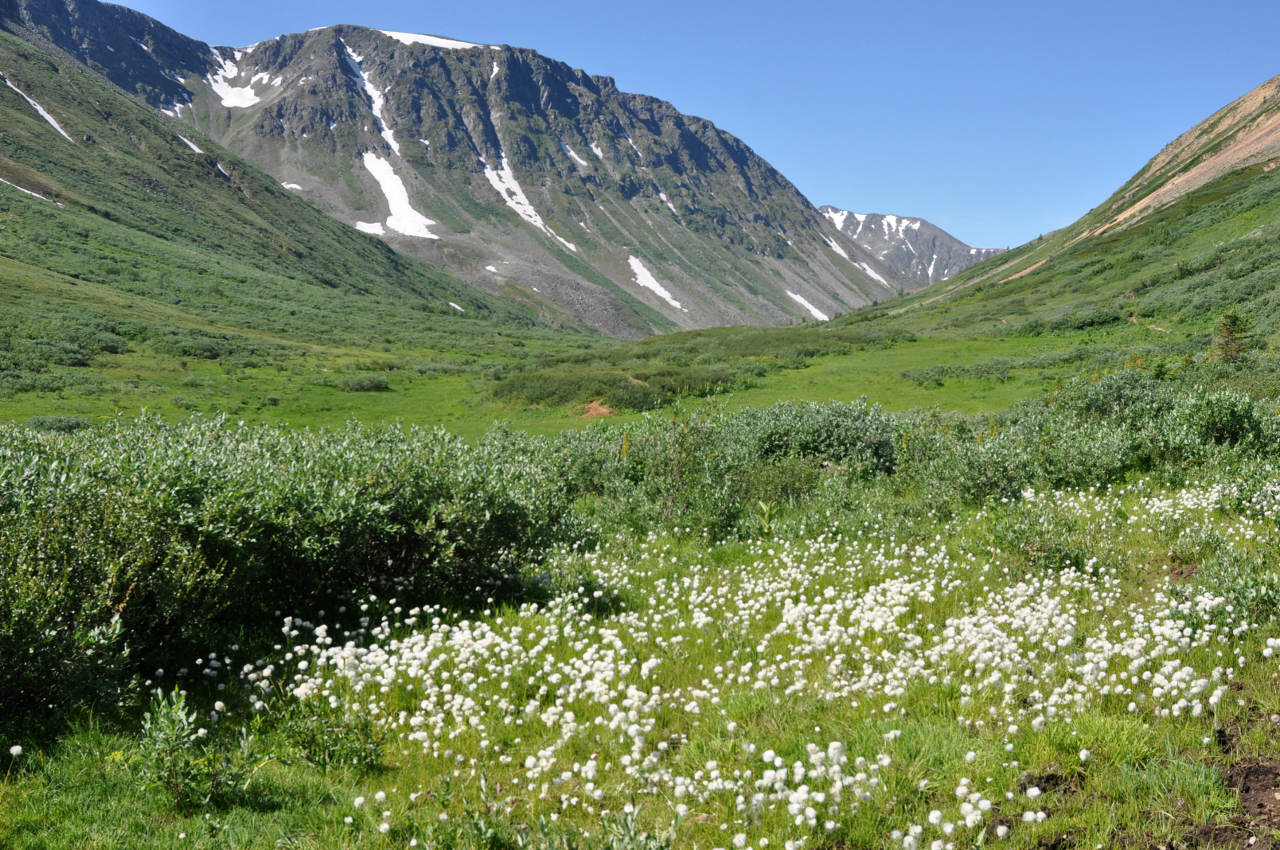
[[998, 121]]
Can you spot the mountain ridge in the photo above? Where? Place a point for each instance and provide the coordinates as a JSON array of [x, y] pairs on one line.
[[540, 181], [911, 247]]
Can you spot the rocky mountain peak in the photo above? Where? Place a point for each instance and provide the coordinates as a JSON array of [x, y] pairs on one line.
[[912, 248]]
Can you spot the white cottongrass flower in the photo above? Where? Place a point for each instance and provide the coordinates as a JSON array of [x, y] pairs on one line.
[[15, 750]]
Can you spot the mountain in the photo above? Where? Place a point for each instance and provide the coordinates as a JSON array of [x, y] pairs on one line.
[[912, 248], [1194, 233], [513, 171], [122, 229]]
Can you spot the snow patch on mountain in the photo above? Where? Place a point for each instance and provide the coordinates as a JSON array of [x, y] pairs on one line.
[[871, 273], [432, 40], [895, 225], [376, 100], [834, 246], [804, 302], [574, 155], [38, 108], [189, 143], [373, 227], [595, 149], [504, 182], [293, 186], [646, 279], [24, 191], [662, 196], [236, 97], [836, 217], [404, 218]]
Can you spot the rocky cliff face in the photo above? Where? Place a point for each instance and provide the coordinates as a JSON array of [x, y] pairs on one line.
[[912, 248], [522, 175], [137, 53]]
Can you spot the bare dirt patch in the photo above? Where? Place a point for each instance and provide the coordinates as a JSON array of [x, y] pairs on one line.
[[1050, 780], [596, 409], [1258, 782]]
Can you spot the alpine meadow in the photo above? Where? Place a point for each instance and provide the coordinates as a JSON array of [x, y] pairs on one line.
[[412, 442]]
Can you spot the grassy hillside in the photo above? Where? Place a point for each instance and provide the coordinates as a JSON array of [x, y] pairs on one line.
[[136, 270]]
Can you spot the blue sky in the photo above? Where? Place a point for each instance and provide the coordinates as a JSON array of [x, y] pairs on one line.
[[997, 121]]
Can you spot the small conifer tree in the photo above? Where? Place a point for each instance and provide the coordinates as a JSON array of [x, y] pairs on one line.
[[1234, 336]]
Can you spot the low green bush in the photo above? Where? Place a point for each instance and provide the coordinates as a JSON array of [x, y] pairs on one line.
[[364, 383], [190, 766], [190, 535]]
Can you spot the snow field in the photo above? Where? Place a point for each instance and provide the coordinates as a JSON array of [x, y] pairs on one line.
[[404, 218], [804, 302], [645, 278], [504, 182], [236, 97], [376, 98]]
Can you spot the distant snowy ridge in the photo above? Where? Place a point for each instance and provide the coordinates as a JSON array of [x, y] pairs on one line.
[[433, 40], [910, 248]]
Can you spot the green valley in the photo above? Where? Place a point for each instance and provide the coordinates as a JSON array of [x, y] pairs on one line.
[[310, 541]]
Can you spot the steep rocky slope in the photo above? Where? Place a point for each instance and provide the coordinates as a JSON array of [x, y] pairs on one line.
[[519, 174], [121, 220]]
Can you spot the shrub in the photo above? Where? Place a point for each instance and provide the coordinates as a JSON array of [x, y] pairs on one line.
[[191, 535], [185, 763], [65, 424], [1249, 583], [364, 383], [1223, 417]]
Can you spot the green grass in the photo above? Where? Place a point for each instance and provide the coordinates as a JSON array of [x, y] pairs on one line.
[[305, 388]]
